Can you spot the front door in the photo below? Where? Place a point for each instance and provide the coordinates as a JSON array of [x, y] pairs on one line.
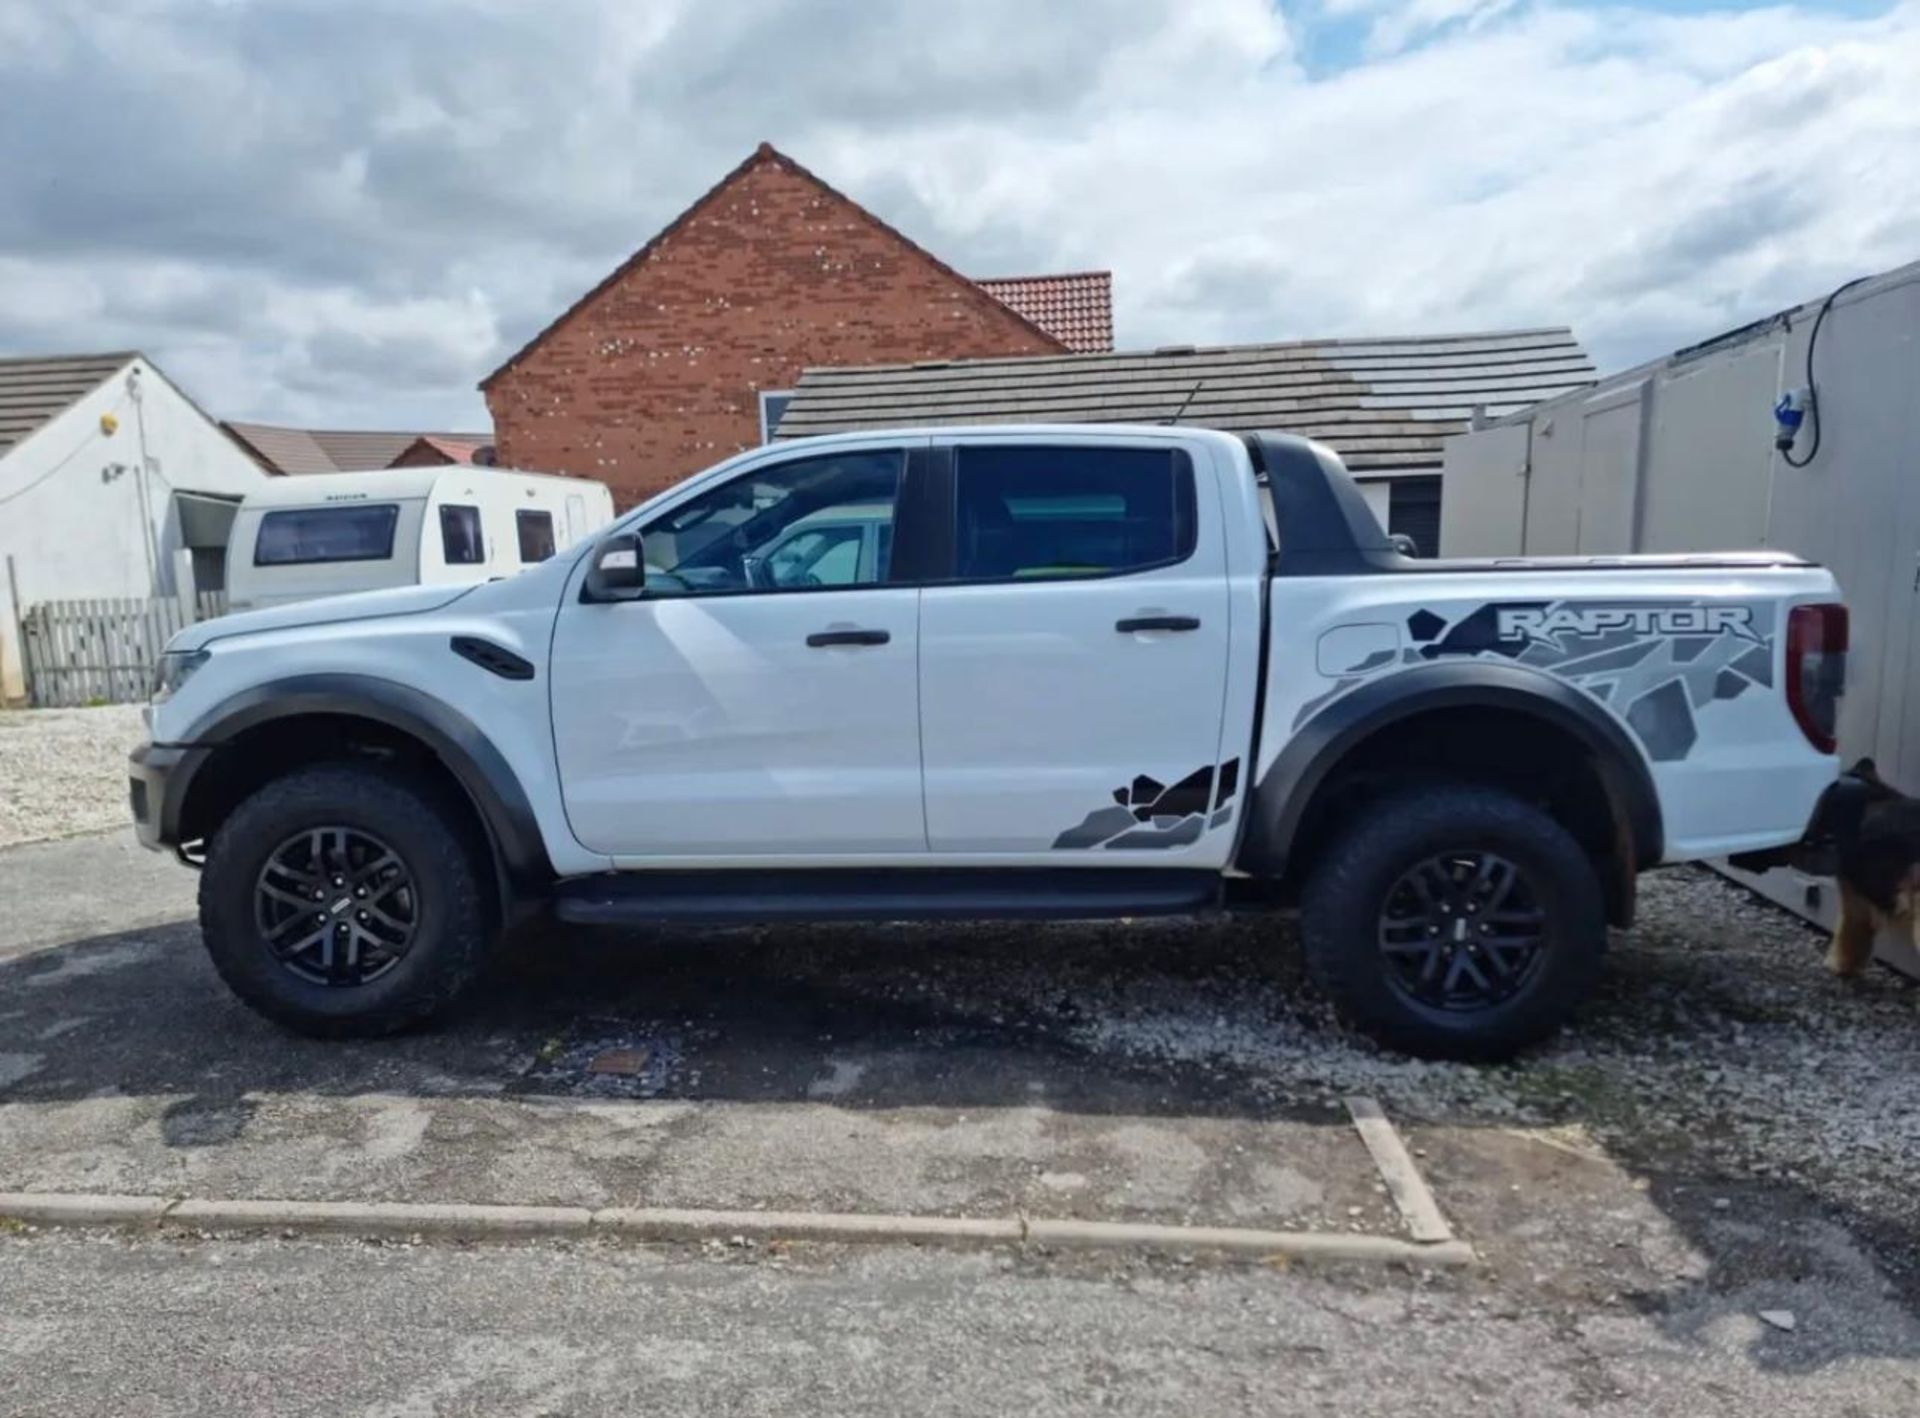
[[1073, 671], [761, 700]]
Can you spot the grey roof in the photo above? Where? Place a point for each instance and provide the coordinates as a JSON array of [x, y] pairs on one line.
[[279, 449], [34, 389], [1383, 404]]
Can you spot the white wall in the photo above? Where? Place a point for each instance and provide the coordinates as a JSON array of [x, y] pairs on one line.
[[84, 513], [1678, 456], [1379, 495]]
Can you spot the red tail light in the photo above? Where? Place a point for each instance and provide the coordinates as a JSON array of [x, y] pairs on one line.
[[1817, 670]]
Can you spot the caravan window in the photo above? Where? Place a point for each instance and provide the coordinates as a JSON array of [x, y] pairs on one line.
[[302, 536], [536, 534], [460, 535]]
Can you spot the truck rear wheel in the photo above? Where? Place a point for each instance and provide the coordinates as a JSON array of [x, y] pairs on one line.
[[342, 901], [1454, 921]]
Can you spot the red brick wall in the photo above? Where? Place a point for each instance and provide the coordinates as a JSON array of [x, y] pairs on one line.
[[657, 375]]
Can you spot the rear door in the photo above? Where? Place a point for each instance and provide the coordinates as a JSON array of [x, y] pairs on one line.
[[1073, 653]]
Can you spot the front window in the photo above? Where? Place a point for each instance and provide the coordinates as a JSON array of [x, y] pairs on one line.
[[1043, 513], [304, 536], [460, 537], [808, 524], [536, 534]]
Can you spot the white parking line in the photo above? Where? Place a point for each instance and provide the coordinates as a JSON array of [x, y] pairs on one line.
[[1405, 1185]]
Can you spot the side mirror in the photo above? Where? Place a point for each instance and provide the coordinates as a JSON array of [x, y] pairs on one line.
[[618, 572]]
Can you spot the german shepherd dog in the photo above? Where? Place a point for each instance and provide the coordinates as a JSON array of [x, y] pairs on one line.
[[1878, 852]]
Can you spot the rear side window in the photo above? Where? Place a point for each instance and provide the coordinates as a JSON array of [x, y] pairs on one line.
[[460, 535], [302, 536], [1036, 514], [536, 533]]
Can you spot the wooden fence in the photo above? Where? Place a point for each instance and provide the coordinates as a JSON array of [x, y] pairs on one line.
[[102, 651]]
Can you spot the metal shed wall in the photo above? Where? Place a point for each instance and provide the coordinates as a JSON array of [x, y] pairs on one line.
[[1678, 455]]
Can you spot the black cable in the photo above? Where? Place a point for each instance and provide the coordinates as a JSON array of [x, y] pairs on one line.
[[82, 446], [1813, 390], [1180, 412]]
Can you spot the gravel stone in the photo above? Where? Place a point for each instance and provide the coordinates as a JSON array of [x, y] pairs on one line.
[[63, 771], [1717, 1045]]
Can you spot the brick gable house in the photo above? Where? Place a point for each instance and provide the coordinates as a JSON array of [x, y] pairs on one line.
[[660, 369]]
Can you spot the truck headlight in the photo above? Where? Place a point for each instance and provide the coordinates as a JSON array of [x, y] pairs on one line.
[[173, 670]]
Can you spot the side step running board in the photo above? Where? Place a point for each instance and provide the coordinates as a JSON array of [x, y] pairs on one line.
[[740, 897]]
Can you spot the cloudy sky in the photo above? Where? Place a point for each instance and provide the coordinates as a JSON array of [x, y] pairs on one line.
[[346, 212]]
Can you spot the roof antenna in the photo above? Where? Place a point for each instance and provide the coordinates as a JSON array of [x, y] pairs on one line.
[[1177, 413]]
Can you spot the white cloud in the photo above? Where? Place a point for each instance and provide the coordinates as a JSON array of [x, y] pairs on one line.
[[350, 210]]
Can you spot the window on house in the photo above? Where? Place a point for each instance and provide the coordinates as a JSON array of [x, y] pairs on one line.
[[773, 403], [1413, 510], [460, 535], [302, 536], [536, 533], [1041, 513]]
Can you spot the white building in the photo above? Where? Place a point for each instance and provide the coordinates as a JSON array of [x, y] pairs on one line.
[[113, 483]]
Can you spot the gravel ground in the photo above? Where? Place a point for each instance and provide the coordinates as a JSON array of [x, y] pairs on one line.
[[63, 771], [1717, 1050]]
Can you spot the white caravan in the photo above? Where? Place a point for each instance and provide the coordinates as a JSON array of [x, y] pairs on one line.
[[326, 534]]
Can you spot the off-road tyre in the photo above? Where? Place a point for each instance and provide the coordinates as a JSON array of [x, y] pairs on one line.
[[1381, 865], [451, 906]]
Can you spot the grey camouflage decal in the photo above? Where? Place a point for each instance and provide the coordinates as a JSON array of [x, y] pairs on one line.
[[1655, 663], [1148, 814]]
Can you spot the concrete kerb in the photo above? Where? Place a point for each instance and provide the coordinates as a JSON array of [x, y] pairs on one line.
[[442, 1221], [437, 1221], [82, 1209]]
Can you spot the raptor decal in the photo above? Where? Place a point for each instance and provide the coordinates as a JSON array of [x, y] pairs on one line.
[[1656, 664]]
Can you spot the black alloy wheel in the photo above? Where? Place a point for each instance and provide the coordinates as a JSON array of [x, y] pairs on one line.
[[1462, 931], [336, 906]]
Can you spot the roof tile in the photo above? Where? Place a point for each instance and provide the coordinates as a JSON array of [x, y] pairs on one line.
[[1386, 405], [326, 450], [1076, 308], [34, 389]]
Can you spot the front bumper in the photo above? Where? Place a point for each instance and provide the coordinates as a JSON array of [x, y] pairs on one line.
[[157, 777], [1834, 824]]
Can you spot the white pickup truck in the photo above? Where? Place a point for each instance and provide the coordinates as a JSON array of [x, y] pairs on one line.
[[1043, 672]]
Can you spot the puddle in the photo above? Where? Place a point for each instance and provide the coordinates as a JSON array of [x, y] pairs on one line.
[[601, 1058]]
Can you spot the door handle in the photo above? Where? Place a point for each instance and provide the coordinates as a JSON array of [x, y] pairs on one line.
[[822, 638], [1157, 622]]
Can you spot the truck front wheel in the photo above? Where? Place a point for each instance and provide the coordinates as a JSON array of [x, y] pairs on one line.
[[1454, 921], [342, 901]]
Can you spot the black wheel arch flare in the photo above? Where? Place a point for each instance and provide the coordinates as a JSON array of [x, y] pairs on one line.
[[489, 782], [1316, 750]]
